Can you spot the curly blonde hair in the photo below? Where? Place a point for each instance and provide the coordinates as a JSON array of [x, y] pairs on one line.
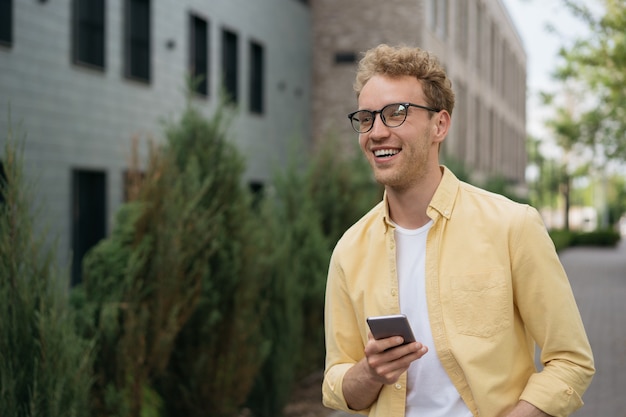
[[403, 60]]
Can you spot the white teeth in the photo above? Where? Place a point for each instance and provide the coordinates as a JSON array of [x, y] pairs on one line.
[[386, 152]]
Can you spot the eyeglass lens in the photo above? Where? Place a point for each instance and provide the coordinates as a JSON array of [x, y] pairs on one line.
[[392, 115]]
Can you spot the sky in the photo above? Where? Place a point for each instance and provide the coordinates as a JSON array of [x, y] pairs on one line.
[[531, 18]]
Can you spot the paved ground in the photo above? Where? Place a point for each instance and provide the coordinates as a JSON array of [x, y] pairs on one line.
[[598, 278]]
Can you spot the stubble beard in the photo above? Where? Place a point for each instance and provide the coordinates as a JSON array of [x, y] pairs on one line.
[[409, 171]]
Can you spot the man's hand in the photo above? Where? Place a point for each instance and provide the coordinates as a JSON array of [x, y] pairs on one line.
[[385, 360]]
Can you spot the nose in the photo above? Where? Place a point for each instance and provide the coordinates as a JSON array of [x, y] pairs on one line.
[[379, 129]]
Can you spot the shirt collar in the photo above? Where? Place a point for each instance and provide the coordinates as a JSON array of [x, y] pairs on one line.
[[443, 200], [441, 204]]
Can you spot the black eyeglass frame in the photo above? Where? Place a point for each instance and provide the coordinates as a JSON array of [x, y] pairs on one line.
[[375, 112]]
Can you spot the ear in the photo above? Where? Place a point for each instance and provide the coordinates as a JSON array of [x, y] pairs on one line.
[[441, 125]]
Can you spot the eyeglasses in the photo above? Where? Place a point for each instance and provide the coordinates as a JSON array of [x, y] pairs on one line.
[[392, 115]]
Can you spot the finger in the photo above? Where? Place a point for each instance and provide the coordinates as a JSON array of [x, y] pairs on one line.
[[387, 366], [375, 346]]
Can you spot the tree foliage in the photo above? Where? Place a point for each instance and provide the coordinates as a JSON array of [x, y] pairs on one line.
[[44, 364], [203, 300], [596, 63], [311, 205], [221, 348], [589, 102]]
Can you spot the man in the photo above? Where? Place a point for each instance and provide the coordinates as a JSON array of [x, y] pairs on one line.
[[476, 274]]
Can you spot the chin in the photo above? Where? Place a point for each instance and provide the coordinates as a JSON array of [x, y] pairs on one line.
[[388, 180]]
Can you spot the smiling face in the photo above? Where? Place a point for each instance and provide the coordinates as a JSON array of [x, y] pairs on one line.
[[408, 155]]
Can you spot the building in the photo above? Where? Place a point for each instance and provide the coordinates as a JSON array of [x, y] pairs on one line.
[[474, 39], [83, 77]]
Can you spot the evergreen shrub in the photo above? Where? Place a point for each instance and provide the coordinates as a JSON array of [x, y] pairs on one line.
[[172, 296], [312, 204], [568, 238], [45, 367], [220, 349], [602, 238]]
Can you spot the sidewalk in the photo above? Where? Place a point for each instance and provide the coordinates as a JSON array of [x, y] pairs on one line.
[[598, 278]]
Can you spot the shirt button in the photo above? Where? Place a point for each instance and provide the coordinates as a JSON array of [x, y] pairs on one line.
[[394, 292], [398, 386]]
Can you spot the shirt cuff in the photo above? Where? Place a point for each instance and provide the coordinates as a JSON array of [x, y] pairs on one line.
[[551, 395]]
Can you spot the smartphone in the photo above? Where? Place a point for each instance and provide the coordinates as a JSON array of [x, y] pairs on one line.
[[383, 327]]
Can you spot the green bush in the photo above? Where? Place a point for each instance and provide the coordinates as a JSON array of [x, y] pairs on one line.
[[44, 364], [600, 238], [341, 189], [141, 285], [173, 297], [220, 349], [567, 238], [300, 252], [562, 238], [313, 203]]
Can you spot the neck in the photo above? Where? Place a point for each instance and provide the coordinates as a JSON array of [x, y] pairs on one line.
[[408, 206]]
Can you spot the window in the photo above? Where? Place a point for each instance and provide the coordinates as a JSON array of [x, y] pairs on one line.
[[6, 22], [257, 75], [230, 65], [3, 184], [88, 33], [438, 19], [257, 188], [442, 27], [345, 58], [198, 54], [462, 32], [88, 216], [137, 39]]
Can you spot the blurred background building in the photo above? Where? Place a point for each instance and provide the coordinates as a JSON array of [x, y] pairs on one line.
[[474, 39], [82, 78]]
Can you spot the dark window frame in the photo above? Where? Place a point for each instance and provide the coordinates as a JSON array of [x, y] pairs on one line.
[[256, 79], [6, 23], [4, 183], [345, 57], [230, 65], [88, 215], [199, 57], [137, 40], [89, 33]]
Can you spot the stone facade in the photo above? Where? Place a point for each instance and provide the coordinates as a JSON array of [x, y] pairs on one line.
[[474, 39]]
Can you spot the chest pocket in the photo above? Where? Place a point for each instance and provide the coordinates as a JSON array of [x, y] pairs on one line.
[[482, 303]]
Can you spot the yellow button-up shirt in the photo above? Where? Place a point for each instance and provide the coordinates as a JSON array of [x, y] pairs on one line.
[[494, 287]]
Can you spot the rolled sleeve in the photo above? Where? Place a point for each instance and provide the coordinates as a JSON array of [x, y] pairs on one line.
[[552, 395], [332, 387]]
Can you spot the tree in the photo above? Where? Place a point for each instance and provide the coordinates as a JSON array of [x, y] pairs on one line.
[[598, 63], [567, 130], [44, 364], [173, 297], [220, 349], [589, 121], [311, 204]]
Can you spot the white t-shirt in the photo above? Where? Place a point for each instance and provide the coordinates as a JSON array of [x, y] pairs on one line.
[[430, 393]]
